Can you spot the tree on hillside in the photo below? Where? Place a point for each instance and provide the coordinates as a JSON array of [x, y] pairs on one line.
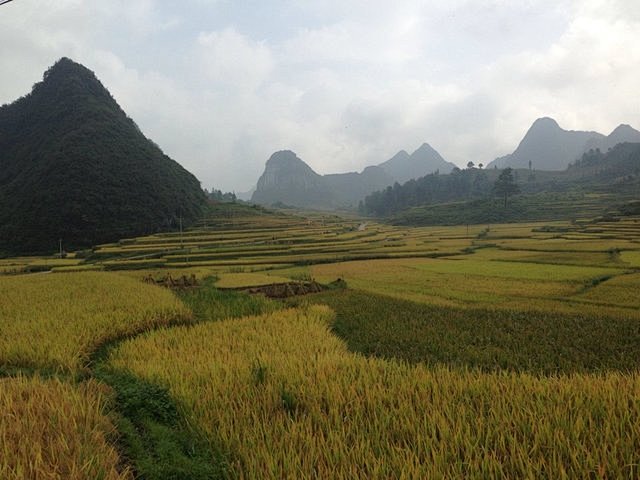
[[219, 196], [505, 185], [470, 164]]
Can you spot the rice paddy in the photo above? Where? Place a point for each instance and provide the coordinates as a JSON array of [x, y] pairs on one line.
[[54, 322], [288, 400], [478, 351], [54, 430], [243, 280]]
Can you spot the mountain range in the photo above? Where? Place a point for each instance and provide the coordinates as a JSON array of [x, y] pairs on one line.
[[74, 167], [290, 181], [545, 147], [613, 176], [549, 147]]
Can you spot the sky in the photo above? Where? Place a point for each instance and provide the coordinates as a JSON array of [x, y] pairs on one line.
[[222, 84]]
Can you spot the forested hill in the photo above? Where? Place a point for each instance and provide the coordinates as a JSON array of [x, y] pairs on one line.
[[617, 171], [74, 167]]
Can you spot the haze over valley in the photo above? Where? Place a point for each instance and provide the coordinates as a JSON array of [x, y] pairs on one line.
[[343, 85]]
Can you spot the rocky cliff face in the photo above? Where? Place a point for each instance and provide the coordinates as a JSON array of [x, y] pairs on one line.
[[284, 170], [289, 180]]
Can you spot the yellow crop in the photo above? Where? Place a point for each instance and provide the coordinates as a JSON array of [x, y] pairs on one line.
[[631, 258], [241, 280], [286, 399], [467, 281], [622, 290], [52, 430], [56, 320]]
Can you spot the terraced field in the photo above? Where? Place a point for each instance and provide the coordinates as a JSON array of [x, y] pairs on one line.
[[52, 429], [54, 322], [56, 422], [286, 399], [503, 351]]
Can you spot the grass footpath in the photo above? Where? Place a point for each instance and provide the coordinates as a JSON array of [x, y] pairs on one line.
[[158, 443], [56, 419]]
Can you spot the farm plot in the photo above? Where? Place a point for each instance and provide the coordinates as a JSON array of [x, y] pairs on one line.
[[54, 322], [54, 430], [467, 282], [286, 399]]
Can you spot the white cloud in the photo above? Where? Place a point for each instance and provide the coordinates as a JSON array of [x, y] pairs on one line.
[[585, 80], [233, 61], [344, 84]]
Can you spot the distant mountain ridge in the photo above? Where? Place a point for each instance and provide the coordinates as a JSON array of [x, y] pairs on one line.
[[403, 167], [549, 147], [74, 167], [290, 181], [614, 174]]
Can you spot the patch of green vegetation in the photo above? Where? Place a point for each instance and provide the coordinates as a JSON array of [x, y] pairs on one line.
[[594, 282], [76, 168], [156, 442], [490, 340], [208, 303], [515, 270], [522, 208], [606, 185]]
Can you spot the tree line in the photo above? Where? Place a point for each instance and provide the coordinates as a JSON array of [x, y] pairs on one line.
[[459, 185]]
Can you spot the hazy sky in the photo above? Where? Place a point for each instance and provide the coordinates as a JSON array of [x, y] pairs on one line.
[[222, 84]]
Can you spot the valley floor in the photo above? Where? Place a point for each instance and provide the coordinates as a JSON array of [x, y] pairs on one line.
[[501, 351]]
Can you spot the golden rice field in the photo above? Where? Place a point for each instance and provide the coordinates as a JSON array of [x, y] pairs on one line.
[[34, 264], [54, 430], [282, 396], [240, 280], [286, 399], [256, 241], [58, 429], [467, 282], [621, 290], [55, 321]]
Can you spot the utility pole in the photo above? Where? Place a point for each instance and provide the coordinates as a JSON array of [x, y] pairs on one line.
[[60, 244], [181, 238]]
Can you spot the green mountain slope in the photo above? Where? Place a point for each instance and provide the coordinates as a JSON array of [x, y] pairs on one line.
[[74, 167], [591, 185]]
